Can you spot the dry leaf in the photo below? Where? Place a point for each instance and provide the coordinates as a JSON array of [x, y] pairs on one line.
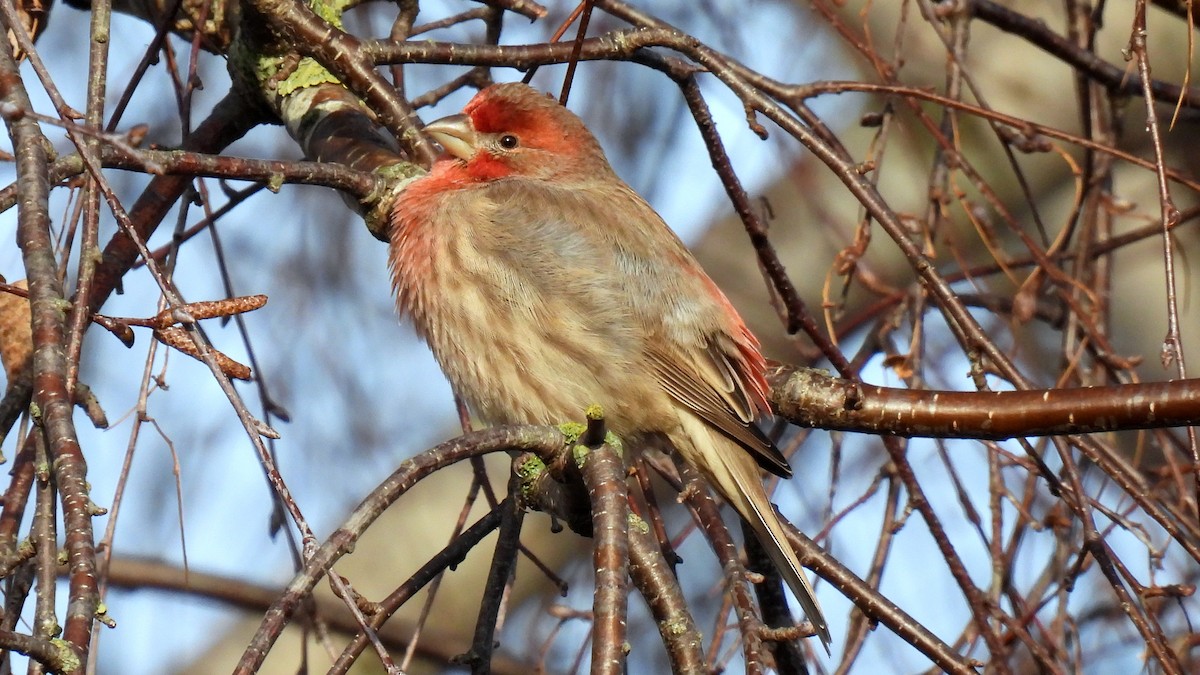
[[16, 335], [179, 339], [208, 309]]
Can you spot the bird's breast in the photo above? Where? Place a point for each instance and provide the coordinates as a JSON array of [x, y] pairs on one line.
[[527, 316]]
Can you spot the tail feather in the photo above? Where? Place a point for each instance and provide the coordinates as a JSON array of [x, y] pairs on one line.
[[736, 475]]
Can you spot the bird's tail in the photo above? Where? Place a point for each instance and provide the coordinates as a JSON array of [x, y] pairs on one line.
[[735, 474]]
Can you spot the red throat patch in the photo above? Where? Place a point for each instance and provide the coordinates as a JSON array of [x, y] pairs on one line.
[[485, 166]]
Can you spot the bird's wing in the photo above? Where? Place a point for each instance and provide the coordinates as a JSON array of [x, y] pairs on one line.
[[623, 273], [722, 383], [701, 351]]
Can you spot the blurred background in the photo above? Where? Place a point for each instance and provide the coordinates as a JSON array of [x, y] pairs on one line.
[[361, 394]]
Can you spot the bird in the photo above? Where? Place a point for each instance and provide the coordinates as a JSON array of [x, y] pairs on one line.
[[544, 284]]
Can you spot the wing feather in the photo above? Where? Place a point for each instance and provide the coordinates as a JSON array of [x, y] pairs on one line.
[[713, 384]]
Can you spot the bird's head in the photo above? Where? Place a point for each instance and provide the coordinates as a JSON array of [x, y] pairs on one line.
[[512, 130]]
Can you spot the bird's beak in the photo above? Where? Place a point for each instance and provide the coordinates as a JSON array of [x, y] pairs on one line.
[[455, 133]]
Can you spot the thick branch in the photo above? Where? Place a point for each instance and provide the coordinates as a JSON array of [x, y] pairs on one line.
[[604, 475], [812, 398], [659, 587], [49, 362]]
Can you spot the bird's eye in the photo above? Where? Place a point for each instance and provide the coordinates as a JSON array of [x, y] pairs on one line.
[[508, 141]]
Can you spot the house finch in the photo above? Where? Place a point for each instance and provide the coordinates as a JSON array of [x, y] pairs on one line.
[[544, 284]]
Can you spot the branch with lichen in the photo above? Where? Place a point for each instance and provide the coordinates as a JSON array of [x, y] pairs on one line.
[[285, 56]]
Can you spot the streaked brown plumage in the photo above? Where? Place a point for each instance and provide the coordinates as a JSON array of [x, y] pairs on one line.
[[544, 284]]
